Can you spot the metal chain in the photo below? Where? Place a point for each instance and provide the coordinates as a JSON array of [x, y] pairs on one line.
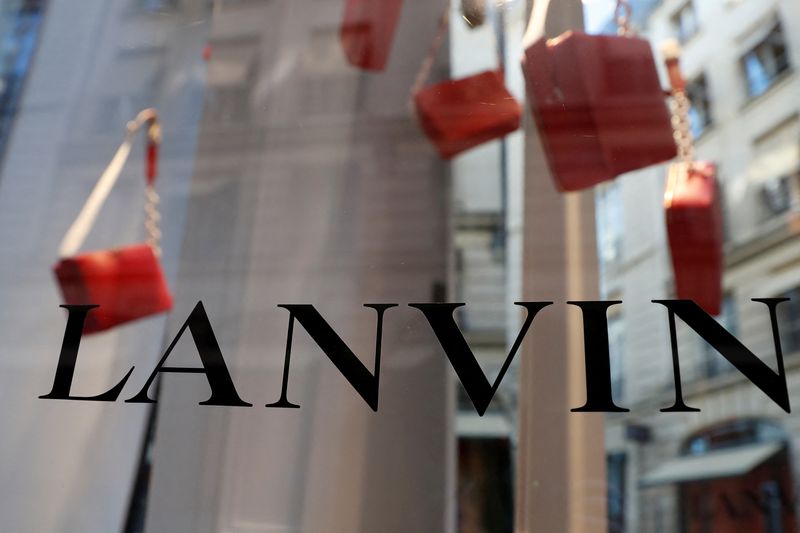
[[152, 219], [680, 104], [427, 64], [682, 129], [622, 15]]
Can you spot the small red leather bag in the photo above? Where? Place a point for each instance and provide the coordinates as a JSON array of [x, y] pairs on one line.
[[457, 115], [597, 103], [367, 31], [127, 283], [693, 212]]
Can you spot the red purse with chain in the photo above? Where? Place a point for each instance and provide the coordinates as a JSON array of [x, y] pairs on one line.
[[695, 233], [597, 102], [367, 32], [693, 209], [127, 283], [457, 115]]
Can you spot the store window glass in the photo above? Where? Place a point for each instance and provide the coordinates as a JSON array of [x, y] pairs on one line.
[[353, 257]]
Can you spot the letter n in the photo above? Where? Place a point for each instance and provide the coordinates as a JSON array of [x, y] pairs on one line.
[[746, 362], [365, 383]]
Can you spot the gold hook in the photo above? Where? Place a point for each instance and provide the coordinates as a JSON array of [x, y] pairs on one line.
[[622, 15]]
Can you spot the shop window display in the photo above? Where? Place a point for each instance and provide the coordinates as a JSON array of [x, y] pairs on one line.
[[316, 156]]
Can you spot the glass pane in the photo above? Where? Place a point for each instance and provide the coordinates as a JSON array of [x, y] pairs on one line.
[[358, 266]]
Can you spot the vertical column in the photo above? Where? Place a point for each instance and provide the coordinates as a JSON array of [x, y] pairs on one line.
[[561, 481]]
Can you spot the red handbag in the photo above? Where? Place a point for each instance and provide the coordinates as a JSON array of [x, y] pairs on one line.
[[693, 210], [597, 103], [127, 283], [457, 115], [367, 32], [695, 234]]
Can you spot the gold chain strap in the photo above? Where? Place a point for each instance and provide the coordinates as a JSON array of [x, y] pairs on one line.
[[622, 15], [682, 130], [426, 67], [152, 216], [152, 219], [427, 64], [680, 105]]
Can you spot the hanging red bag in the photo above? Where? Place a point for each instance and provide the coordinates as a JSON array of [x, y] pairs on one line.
[[597, 102], [127, 283], [694, 229], [367, 31], [693, 210], [457, 115]]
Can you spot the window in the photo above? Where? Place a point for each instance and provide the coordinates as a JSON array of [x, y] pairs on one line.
[[610, 225], [777, 195], [700, 112], [714, 363], [765, 62], [775, 167], [684, 22], [789, 321], [731, 434], [20, 32], [616, 492], [616, 351]]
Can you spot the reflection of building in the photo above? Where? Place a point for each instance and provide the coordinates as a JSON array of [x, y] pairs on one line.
[[312, 184], [741, 59], [481, 272], [94, 66], [20, 23], [286, 177]]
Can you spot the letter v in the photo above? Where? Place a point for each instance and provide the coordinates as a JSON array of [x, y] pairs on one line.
[[479, 390]]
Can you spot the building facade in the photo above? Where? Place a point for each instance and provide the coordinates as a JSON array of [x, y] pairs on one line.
[[741, 59]]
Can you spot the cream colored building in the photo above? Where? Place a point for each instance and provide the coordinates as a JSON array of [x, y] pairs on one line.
[[741, 58]]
